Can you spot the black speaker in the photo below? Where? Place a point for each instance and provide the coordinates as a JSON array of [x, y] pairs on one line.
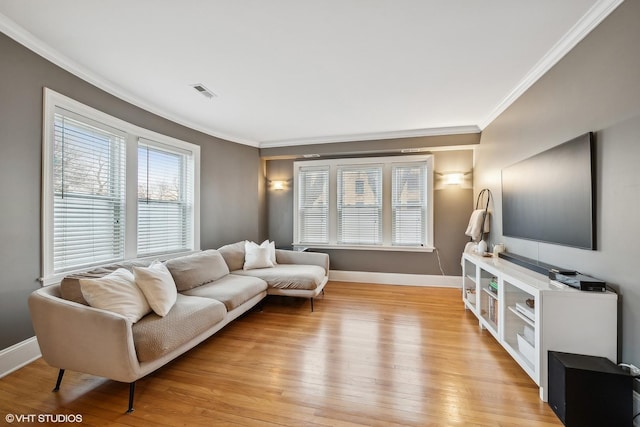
[[589, 391]]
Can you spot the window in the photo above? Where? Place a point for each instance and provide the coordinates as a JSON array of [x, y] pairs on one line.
[[360, 205], [366, 203], [90, 188], [313, 205], [164, 199], [408, 202], [88, 192]]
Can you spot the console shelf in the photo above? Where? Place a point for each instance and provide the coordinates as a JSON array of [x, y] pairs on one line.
[[530, 316], [523, 317]]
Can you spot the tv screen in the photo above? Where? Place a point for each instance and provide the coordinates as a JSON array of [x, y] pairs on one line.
[[550, 197]]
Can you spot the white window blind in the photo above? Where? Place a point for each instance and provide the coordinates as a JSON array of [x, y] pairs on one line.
[[88, 192], [360, 204], [313, 205], [165, 199], [408, 204]]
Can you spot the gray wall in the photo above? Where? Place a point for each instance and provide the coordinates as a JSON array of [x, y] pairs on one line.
[[232, 196], [452, 207], [596, 87]]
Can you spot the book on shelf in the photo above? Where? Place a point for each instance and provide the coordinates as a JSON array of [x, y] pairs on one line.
[[493, 285], [493, 310]]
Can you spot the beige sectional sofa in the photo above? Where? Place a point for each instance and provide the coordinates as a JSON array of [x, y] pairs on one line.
[[212, 290]]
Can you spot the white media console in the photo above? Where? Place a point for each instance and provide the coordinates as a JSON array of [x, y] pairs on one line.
[[562, 318]]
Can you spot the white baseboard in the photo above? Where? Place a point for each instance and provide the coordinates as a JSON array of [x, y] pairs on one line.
[[396, 278], [18, 355]]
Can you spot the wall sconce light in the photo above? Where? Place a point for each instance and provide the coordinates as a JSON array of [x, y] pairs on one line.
[[450, 179], [453, 178], [278, 185]]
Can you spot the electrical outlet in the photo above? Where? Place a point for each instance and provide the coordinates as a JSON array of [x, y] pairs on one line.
[[632, 369], [636, 407]]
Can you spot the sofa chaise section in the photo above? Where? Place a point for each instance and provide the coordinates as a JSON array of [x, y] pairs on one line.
[[295, 273]]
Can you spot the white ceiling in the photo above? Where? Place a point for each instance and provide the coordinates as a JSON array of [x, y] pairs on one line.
[[291, 72]]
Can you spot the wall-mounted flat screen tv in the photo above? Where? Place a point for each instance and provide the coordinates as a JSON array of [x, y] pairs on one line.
[[550, 197]]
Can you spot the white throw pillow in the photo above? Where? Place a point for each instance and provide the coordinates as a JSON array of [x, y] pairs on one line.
[[256, 256], [158, 286], [272, 250], [116, 292]]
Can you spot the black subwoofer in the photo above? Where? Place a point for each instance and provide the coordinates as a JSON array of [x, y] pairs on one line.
[[589, 391]]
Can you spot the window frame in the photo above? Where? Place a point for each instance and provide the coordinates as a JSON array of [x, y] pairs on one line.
[[298, 210], [185, 201], [346, 212], [397, 207], [53, 99], [387, 163]]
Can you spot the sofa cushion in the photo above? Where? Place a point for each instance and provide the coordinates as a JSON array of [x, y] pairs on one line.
[[288, 276], [195, 270], [231, 290], [233, 255], [257, 256], [155, 336], [70, 285], [116, 292], [157, 285]]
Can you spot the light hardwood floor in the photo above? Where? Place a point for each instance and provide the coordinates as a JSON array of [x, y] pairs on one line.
[[370, 355]]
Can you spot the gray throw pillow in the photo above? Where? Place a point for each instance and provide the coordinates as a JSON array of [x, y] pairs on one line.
[[198, 269], [233, 254]]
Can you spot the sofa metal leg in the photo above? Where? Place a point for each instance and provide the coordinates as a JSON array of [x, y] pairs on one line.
[[60, 374], [311, 299], [132, 390]]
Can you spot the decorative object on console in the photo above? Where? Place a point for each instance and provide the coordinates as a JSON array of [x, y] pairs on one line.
[[479, 222], [470, 247], [471, 295], [526, 311]]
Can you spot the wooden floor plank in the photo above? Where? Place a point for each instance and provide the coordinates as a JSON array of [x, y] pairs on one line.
[[369, 355]]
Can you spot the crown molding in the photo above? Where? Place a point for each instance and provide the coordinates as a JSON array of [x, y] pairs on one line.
[[28, 40], [579, 31], [452, 130], [584, 26]]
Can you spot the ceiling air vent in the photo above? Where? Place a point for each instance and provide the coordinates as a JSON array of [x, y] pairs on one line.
[[204, 91]]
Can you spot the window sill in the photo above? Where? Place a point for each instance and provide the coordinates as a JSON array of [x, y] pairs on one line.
[[57, 277], [383, 248]]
